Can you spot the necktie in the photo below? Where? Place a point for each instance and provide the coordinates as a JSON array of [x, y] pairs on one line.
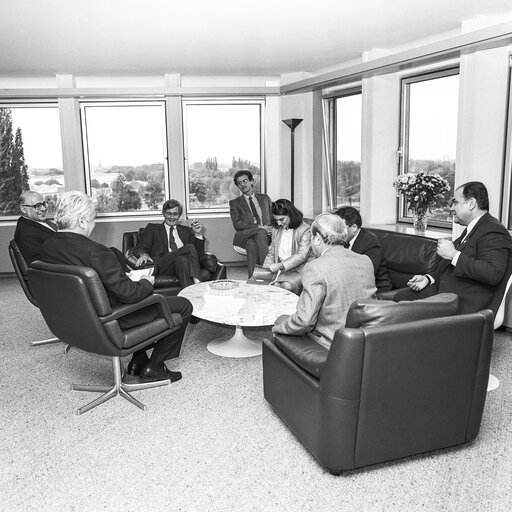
[[254, 211], [461, 240], [172, 242]]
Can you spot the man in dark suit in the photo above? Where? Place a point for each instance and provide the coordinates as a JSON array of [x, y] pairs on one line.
[[75, 217], [364, 242], [251, 215], [33, 229], [176, 249], [476, 266]]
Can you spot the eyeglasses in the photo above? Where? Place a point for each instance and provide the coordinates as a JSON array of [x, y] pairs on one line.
[[37, 206]]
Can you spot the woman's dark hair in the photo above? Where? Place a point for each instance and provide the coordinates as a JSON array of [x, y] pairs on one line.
[[285, 207]]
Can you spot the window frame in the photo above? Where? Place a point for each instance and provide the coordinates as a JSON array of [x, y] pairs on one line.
[[403, 141], [35, 103], [506, 209], [125, 102], [228, 100]]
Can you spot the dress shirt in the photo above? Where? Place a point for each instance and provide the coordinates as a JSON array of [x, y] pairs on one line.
[[177, 239], [256, 204], [351, 243], [469, 227], [285, 247]]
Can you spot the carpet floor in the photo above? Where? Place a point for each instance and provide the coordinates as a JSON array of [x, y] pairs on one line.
[[209, 442]]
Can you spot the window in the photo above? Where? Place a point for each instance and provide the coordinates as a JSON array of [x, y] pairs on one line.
[[221, 137], [429, 132], [348, 149], [30, 154], [125, 155]]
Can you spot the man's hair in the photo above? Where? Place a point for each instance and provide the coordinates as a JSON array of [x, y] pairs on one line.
[[285, 207], [170, 204], [25, 195], [243, 172], [477, 190], [350, 215], [331, 228], [72, 205]]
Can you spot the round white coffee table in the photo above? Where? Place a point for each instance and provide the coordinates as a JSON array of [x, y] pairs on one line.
[[249, 305]]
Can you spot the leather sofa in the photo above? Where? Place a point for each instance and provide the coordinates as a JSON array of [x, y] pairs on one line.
[[400, 379], [406, 255], [211, 269]]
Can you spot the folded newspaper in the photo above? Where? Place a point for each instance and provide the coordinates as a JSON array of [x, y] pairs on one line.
[[135, 275], [263, 276]]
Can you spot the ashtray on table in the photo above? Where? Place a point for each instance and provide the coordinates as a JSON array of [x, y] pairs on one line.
[[222, 286]]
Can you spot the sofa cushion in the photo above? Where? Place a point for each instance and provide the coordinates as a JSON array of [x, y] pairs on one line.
[[370, 313], [303, 351]]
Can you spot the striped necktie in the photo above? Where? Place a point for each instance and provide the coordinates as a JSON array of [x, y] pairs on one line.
[[254, 211]]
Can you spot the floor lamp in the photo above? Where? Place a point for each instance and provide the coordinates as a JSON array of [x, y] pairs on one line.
[[292, 124]]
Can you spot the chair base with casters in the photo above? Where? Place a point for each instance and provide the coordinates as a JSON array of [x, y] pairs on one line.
[[119, 388], [20, 269]]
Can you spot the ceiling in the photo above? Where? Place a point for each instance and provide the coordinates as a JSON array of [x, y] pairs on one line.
[[216, 37]]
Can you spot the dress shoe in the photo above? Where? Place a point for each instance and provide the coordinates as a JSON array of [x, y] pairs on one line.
[[149, 373], [193, 320], [134, 367]]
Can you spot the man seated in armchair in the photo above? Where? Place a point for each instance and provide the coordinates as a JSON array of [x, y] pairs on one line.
[[175, 249]]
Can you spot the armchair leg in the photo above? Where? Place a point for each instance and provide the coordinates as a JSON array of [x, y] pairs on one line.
[[49, 341], [119, 388]]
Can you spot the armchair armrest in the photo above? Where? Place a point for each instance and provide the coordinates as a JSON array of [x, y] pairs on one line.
[[155, 299]]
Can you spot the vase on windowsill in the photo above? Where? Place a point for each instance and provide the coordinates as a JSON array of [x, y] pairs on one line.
[[420, 220]]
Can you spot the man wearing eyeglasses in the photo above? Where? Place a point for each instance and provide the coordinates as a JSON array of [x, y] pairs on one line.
[[176, 249], [33, 229], [251, 215], [477, 265]]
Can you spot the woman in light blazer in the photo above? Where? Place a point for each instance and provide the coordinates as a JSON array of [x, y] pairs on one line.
[[290, 247]]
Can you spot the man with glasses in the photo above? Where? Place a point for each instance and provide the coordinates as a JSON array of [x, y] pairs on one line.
[[477, 265], [251, 215], [174, 248], [33, 229]]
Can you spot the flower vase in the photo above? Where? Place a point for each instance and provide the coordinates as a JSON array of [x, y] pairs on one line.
[[420, 221]]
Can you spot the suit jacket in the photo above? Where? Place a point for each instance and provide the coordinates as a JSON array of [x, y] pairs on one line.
[[154, 241], [74, 249], [300, 248], [30, 236], [243, 219], [331, 283], [483, 267], [367, 243]]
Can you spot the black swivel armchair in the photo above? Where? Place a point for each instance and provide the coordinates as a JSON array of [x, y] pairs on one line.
[[75, 306], [211, 268], [386, 389], [21, 269]]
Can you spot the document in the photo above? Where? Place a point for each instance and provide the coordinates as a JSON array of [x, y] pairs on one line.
[[135, 275], [263, 276]]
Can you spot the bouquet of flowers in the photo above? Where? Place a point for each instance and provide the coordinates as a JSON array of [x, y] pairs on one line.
[[421, 190]]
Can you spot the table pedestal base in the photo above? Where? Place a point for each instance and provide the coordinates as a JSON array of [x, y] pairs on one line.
[[235, 345]]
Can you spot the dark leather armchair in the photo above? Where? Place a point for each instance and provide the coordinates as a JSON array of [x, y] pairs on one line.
[[75, 306], [387, 388], [21, 269], [211, 269]]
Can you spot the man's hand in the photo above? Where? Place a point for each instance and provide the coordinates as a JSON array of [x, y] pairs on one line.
[[446, 249], [418, 282], [151, 279], [196, 226], [144, 258]]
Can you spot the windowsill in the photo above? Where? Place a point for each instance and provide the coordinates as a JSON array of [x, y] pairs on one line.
[[434, 232]]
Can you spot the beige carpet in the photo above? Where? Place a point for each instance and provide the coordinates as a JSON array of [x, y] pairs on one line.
[[207, 443]]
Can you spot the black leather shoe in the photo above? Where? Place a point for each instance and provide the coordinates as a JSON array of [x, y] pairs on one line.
[[134, 367], [148, 373], [193, 320]]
